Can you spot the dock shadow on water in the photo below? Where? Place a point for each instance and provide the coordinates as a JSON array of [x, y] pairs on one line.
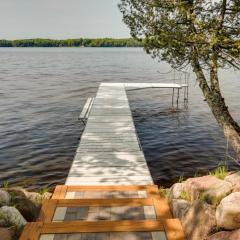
[[43, 91]]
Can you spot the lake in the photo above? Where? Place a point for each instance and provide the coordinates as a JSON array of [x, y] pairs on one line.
[[42, 92]]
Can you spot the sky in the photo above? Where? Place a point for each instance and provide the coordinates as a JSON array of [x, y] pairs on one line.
[[61, 19]]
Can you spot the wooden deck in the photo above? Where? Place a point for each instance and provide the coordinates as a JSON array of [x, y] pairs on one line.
[[109, 192], [109, 152], [105, 213]]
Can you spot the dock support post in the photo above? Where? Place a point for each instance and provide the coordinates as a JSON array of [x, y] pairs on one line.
[[173, 97], [177, 97]]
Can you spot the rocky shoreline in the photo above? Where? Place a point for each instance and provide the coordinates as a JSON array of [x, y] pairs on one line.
[[208, 206], [17, 207]]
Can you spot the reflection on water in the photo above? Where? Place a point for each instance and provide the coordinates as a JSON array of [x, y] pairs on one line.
[[42, 92]]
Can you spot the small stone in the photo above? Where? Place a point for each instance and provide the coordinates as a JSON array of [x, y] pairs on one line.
[[176, 190], [12, 217], [225, 235], [199, 220], [234, 179], [6, 233], [5, 198], [179, 207], [228, 212]]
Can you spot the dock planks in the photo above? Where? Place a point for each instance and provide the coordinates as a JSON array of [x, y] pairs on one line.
[[109, 152]]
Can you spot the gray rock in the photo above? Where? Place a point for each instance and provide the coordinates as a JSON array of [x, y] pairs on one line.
[[179, 207], [12, 217], [6, 233], [176, 190], [217, 192], [5, 198], [208, 187], [234, 179], [28, 203], [199, 221], [228, 212], [225, 235], [236, 189]]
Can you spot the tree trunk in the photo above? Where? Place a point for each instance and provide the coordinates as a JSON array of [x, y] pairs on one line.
[[217, 105]]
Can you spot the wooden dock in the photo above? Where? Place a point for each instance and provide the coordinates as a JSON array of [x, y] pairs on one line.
[[109, 192], [109, 152]]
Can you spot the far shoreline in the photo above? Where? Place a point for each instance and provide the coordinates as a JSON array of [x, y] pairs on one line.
[[80, 42]]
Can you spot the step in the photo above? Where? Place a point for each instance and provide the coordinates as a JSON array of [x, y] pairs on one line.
[[169, 229], [135, 212]]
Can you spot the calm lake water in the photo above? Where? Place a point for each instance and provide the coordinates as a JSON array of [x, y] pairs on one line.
[[42, 92]]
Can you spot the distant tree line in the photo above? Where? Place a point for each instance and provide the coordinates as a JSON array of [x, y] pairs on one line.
[[81, 42]]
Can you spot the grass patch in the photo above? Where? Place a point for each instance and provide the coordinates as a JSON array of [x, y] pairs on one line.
[[181, 179], [5, 185], [185, 196], [164, 192], [220, 172], [44, 190]]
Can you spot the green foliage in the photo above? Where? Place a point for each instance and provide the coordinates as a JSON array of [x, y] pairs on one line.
[[81, 42], [177, 31], [220, 172], [181, 179], [186, 196], [5, 184], [44, 190], [204, 35], [164, 192]]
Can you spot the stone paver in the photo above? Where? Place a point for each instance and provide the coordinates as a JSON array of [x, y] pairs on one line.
[[105, 213]]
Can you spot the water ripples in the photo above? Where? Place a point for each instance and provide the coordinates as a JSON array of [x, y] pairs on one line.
[[43, 91]]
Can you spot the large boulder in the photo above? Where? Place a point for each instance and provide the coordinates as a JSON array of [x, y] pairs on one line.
[[34, 197], [176, 190], [228, 212], [208, 187], [6, 233], [225, 235], [236, 189], [5, 198], [199, 221], [12, 217], [179, 207], [234, 179], [26, 202]]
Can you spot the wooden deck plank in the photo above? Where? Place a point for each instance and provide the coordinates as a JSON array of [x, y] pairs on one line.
[[107, 162], [31, 231], [174, 230], [103, 226], [116, 179], [108, 149], [47, 210], [108, 171], [59, 192], [100, 202], [108, 182], [109, 188]]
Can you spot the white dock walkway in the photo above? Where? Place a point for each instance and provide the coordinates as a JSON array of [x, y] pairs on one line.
[[109, 152]]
